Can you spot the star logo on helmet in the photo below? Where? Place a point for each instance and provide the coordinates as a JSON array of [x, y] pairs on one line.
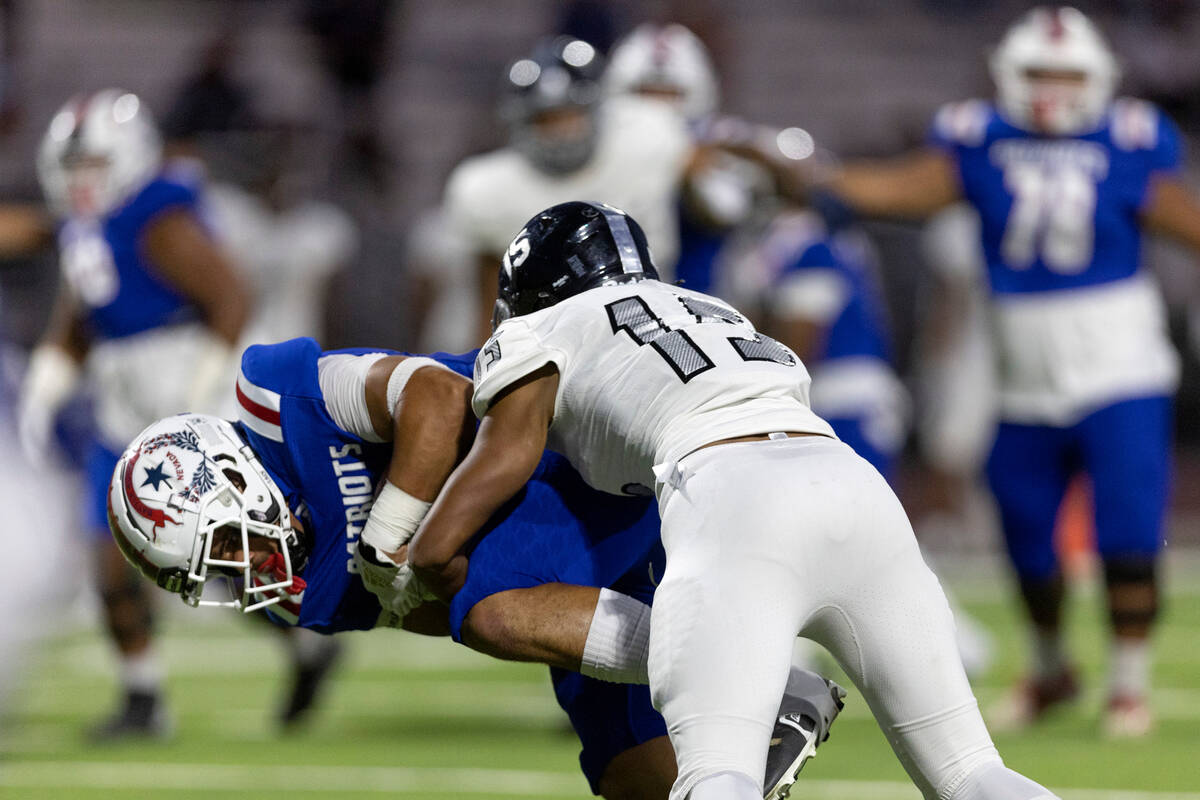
[[156, 475]]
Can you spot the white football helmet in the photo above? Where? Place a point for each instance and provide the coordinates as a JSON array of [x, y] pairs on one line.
[[665, 58], [1054, 40], [98, 151], [180, 481]]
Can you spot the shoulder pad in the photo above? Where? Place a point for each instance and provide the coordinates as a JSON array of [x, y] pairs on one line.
[[1134, 124], [965, 122]]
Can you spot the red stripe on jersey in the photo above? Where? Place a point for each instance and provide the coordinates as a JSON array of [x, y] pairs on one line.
[[260, 411]]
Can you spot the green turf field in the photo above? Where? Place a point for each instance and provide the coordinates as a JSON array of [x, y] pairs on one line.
[[412, 717]]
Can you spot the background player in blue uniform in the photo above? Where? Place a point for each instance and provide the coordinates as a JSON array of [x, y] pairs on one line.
[[823, 299], [143, 288], [315, 438], [1065, 180]]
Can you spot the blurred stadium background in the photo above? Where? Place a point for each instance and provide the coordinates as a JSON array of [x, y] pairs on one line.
[[388, 96]]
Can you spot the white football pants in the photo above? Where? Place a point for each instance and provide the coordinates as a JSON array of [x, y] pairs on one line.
[[767, 540]]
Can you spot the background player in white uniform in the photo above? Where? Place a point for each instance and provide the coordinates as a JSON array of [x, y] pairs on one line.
[[779, 531], [287, 243], [1065, 181], [566, 141]]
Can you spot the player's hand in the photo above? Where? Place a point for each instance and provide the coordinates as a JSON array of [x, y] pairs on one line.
[[397, 588]]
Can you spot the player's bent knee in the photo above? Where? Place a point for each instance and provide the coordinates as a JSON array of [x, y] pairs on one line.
[[490, 628], [643, 772]]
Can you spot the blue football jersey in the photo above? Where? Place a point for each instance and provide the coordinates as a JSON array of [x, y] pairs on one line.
[[1058, 212], [104, 261], [328, 476]]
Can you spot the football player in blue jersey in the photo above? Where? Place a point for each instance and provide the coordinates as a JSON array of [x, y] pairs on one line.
[[1066, 180], [821, 296], [154, 307], [281, 498]]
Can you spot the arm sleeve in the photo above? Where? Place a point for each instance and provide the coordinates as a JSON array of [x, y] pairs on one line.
[[1166, 156], [514, 351]]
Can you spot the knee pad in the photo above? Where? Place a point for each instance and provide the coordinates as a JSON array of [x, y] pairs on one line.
[[1132, 583], [127, 611]]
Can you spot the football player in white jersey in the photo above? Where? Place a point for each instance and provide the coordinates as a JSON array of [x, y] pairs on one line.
[[566, 141], [772, 528], [1066, 180]]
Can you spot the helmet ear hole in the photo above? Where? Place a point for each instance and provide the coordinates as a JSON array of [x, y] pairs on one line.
[[235, 478]]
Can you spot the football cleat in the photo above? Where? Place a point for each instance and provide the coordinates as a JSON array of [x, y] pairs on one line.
[[1032, 699], [1127, 717], [142, 715], [810, 705], [308, 678]]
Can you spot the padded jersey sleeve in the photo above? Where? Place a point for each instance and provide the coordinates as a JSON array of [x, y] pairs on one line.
[[515, 350], [1167, 153], [162, 195], [958, 125]]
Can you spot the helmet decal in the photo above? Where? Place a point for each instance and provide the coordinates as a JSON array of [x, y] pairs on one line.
[[517, 252], [156, 515]]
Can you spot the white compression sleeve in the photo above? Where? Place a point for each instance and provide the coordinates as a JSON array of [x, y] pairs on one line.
[[401, 374], [618, 642], [343, 380]]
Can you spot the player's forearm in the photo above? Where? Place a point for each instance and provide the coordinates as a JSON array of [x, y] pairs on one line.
[[432, 428], [487, 479], [227, 317], [910, 187]]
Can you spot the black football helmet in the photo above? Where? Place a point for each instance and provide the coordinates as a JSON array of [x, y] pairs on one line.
[[562, 73], [567, 249]]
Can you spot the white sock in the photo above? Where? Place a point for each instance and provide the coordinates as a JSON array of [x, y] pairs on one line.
[[726, 786], [618, 642], [1129, 667], [1049, 657], [142, 672]]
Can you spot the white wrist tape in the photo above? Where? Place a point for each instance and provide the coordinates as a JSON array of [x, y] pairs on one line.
[[618, 642], [49, 382], [400, 375], [394, 519], [50, 379], [213, 374]]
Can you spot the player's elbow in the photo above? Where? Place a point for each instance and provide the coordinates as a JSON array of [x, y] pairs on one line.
[[430, 559]]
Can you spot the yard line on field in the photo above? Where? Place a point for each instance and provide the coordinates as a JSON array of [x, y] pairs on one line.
[[411, 780], [298, 779]]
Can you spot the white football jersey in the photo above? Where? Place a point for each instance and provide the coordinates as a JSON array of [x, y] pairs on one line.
[[641, 152], [288, 255], [648, 372]]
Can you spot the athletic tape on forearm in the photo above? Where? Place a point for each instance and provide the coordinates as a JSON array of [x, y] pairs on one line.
[[393, 519], [618, 642], [402, 373]]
